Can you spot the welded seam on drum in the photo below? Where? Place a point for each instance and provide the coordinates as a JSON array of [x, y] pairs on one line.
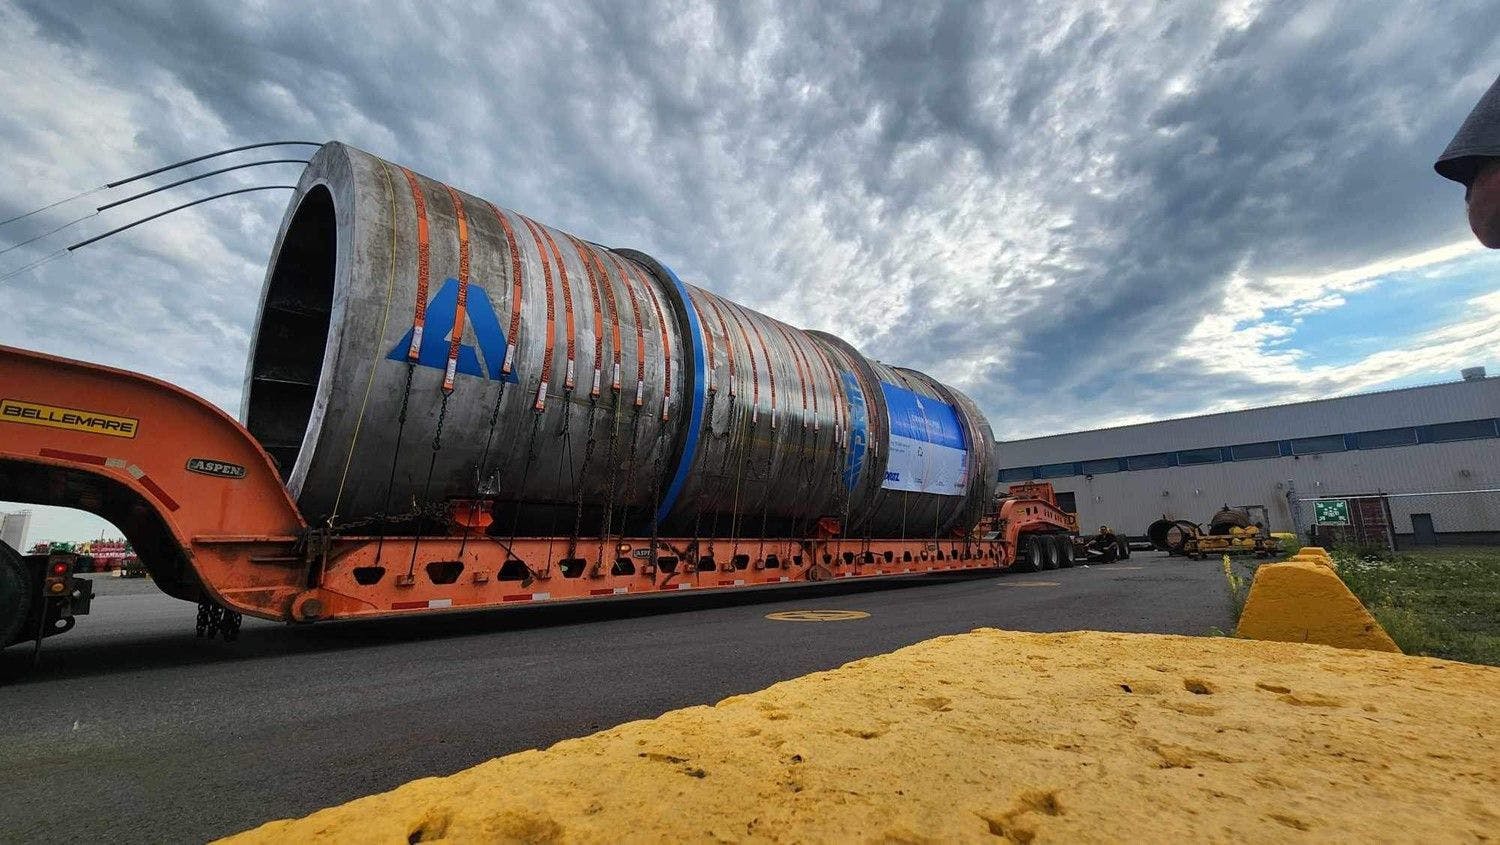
[[541, 251], [666, 344], [695, 414], [723, 327], [764, 351], [837, 389], [754, 365], [708, 340], [567, 291], [424, 269], [588, 269], [803, 373], [614, 315], [516, 288], [463, 289], [640, 331]]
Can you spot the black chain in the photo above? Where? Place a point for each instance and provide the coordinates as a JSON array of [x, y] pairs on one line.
[[583, 474], [484, 458], [437, 446], [515, 523], [390, 482], [564, 457], [739, 477], [804, 483], [606, 520], [418, 511], [656, 491], [765, 494], [635, 428]]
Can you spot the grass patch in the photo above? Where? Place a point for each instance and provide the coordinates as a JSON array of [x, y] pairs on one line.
[[1442, 602]]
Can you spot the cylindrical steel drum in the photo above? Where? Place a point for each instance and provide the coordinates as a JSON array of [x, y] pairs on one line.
[[417, 344]]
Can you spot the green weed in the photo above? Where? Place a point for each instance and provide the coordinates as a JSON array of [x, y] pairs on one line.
[[1435, 602]]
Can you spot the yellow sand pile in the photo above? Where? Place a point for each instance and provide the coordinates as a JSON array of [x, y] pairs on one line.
[[1053, 737]]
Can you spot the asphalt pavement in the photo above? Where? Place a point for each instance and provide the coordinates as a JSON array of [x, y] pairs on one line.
[[130, 730]]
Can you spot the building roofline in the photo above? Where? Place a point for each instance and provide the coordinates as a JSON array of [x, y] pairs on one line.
[[1337, 398]]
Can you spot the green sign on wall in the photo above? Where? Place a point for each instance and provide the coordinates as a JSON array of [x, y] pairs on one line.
[[1331, 511]]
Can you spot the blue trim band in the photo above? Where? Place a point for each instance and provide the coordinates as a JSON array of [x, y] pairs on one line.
[[700, 395]]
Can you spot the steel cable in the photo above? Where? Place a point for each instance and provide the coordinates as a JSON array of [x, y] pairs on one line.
[[96, 238], [154, 171], [75, 221], [189, 179]]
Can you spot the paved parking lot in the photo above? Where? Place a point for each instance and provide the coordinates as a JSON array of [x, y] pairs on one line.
[[146, 734]]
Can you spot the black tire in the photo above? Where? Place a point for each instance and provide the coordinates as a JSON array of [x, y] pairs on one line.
[[1049, 551], [1220, 523], [1031, 557], [1157, 534], [15, 594], [1123, 550], [1065, 556]]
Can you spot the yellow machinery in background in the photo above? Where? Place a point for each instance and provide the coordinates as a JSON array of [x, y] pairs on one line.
[[1230, 531]]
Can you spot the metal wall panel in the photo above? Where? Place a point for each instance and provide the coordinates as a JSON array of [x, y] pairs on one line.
[[1453, 401], [1129, 501]]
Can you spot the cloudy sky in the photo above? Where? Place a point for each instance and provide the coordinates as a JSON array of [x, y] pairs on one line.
[[1081, 215]]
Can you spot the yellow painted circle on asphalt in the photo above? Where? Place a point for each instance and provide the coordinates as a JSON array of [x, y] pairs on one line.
[[817, 615], [1032, 584]]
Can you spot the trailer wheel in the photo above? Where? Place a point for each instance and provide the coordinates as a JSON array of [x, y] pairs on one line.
[[1050, 553], [1064, 545], [15, 594], [1031, 557]]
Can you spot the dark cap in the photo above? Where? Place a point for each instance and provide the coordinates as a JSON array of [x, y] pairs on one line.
[[1477, 140]]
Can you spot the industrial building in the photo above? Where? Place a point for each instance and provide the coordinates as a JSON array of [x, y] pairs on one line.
[[1424, 462]]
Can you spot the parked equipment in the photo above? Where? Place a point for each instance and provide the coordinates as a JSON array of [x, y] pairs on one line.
[[471, 409], [1230, 531]]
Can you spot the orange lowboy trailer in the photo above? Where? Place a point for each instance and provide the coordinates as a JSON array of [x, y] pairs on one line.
[[208, 515]]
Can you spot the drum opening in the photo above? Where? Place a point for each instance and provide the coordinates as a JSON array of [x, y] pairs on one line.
[[293, 331]]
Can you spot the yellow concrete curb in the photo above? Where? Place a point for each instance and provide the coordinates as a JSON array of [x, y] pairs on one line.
[[996, 736], [1321, 560], [1307, 602]]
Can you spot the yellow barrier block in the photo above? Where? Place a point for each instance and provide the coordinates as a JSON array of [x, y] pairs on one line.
[[1315, 550], [1321, 560], [996, 736], [1304, 602]]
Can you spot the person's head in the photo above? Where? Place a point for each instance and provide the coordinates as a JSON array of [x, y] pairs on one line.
[[1472, 159], [1483, 197]]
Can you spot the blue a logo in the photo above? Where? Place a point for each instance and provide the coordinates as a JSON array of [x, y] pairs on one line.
[[479, 317]]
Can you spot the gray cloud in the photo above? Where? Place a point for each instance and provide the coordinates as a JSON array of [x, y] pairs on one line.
[[1032, 201]]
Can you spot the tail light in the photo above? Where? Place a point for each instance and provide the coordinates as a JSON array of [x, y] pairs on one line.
[[59, 575]]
